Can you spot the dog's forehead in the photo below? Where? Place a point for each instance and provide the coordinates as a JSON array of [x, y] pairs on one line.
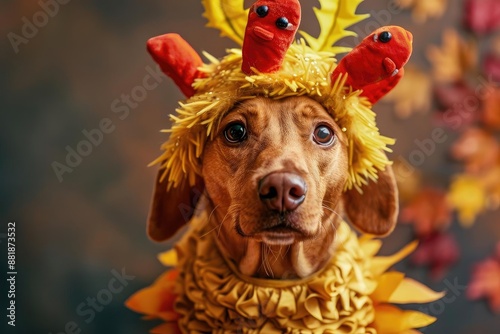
[[293, 106]]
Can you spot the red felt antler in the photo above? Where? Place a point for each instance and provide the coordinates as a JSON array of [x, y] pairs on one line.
[[270, 31], [177, 59]]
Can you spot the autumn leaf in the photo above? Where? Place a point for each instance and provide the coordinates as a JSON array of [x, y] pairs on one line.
[[454, 107], [490, 113], [438, 251], [482, 16], [491, 65], [424, 9], [453, 59], [478, 149], [491, 62], [412, 94], [468, 196], [485, 281], [491, 181], [450, 95], [429, 212]]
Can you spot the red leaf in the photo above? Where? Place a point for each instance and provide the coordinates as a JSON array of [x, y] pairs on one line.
[[438, 251], [482, 16], [491, 65], [485, 281]]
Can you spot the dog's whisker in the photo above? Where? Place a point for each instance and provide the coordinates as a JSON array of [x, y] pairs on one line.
[[276, 255], [266, 265], [281, 253], [212, 212], [210, 231], [333, 211], [262, 258], [271, 273], [222, 222], [209, 220], [230, 212], [219, 225], [287, 250]]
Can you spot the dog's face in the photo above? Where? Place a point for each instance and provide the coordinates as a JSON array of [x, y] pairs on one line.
[[274, 177], [276, 169]]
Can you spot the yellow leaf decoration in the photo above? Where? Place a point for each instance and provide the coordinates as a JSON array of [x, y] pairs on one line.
[[393, 287], [391, 320], [334, 17], [229, 16], [168, 258], [468, 196], [411, 291], [387, 283]]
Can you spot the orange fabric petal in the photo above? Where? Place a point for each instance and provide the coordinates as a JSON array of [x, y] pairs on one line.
[[166, 328], [157, 300]]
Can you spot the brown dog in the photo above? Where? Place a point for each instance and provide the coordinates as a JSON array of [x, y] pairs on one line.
[[273, 179]]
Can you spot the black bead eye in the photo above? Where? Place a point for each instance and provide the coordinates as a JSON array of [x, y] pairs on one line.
[[282, 23], [323, 135], [262, 11], [235, 133], [385, 36]]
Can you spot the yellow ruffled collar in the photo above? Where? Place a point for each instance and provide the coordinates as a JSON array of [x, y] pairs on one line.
[[352, 294], [214, 295]]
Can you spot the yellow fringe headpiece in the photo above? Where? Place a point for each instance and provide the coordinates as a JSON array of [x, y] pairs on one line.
[[305, 71]]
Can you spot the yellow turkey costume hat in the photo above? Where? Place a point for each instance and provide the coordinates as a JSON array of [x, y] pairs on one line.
[[286, 68]]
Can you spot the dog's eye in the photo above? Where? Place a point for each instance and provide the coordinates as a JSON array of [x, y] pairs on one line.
[[323, 135], [235, 133], [262, 11]]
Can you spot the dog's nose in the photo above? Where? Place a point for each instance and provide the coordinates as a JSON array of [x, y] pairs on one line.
[[282, 191]]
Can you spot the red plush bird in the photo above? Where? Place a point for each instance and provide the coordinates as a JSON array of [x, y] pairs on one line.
[[270, 31], [376, 64]]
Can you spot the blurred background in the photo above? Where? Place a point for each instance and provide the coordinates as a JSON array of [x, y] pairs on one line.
[[74, 70]]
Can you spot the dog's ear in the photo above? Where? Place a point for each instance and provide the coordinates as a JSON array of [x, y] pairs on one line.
[[172, 208], [374, 211]]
